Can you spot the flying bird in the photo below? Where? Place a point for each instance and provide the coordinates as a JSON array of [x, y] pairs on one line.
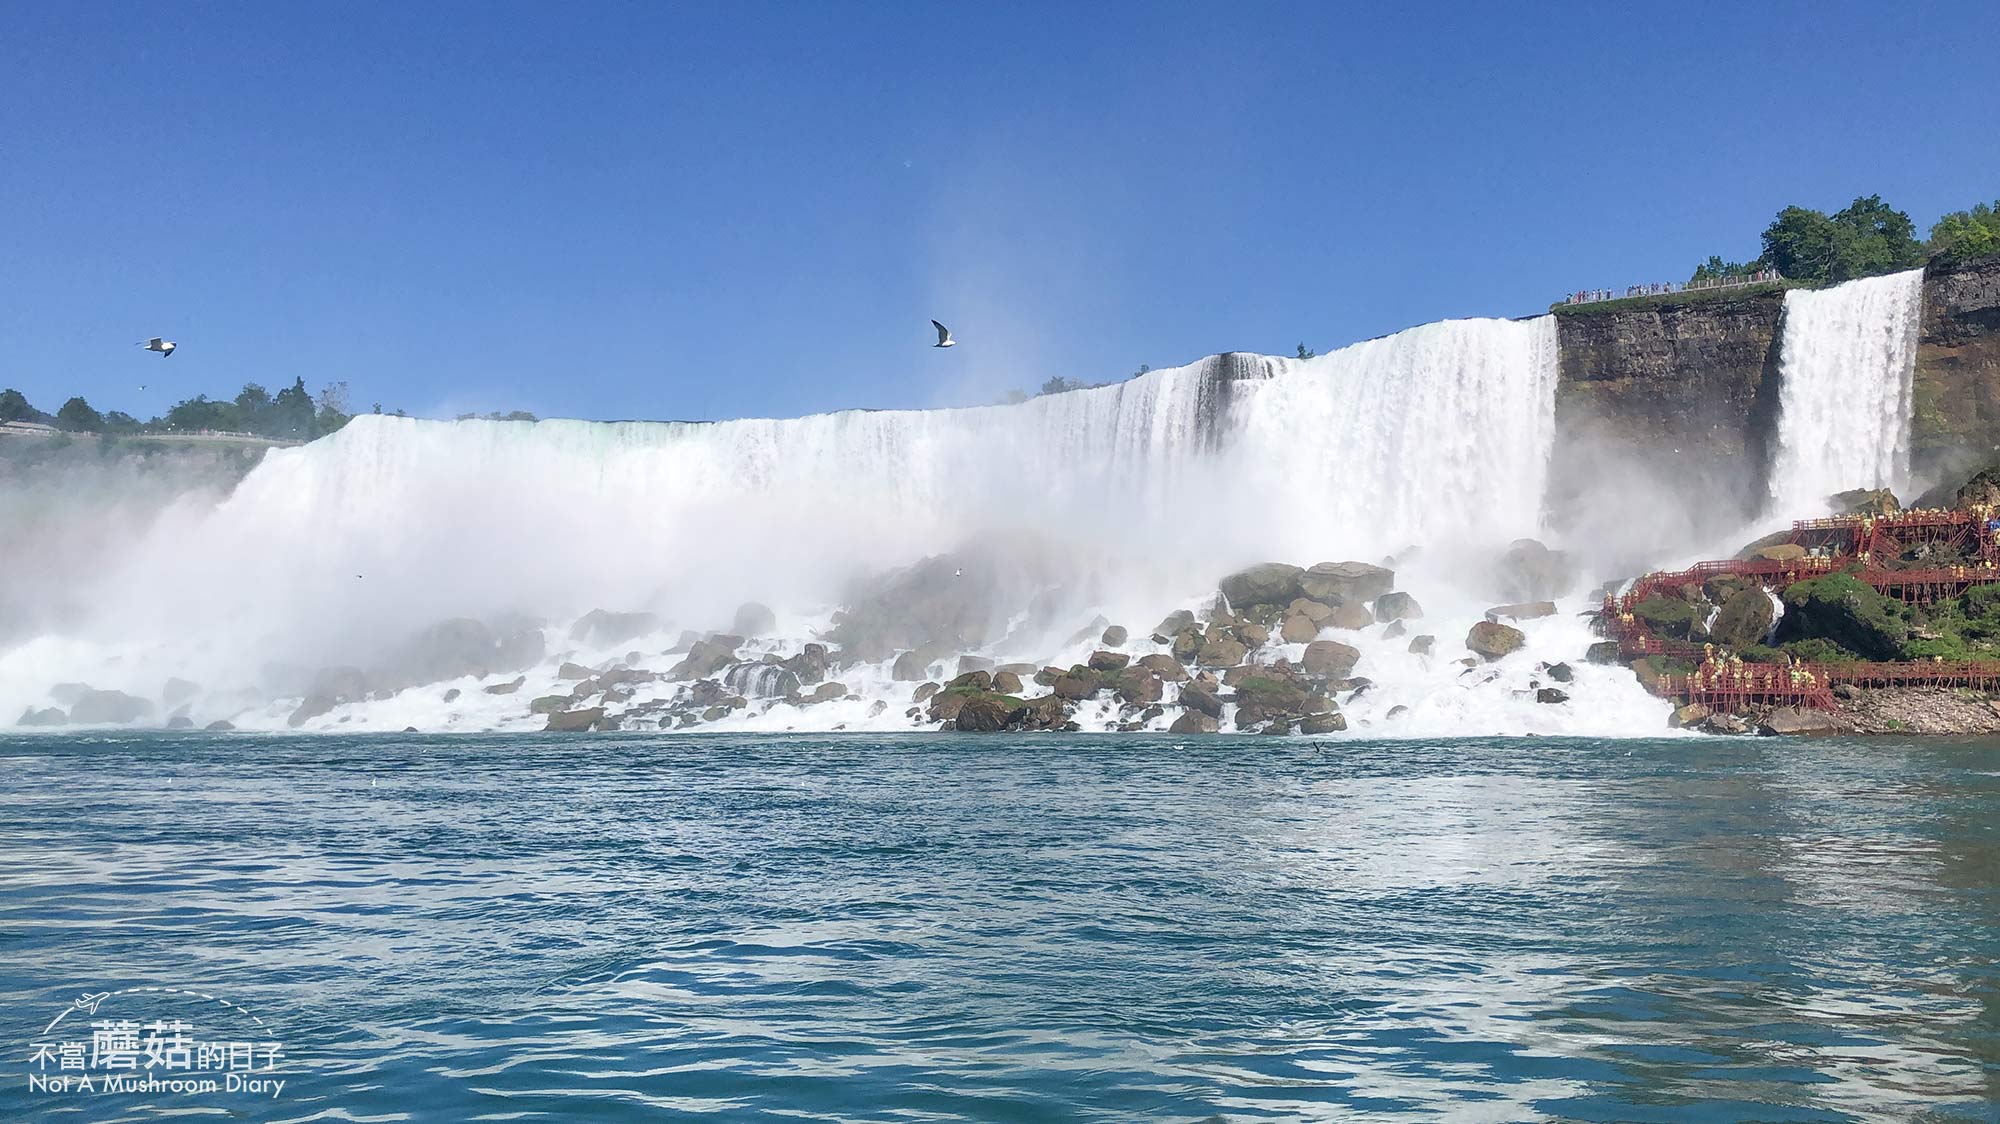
[[164, 347], [944, 335]]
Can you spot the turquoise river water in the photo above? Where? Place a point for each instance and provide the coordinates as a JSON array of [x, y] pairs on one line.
[[932, 928]]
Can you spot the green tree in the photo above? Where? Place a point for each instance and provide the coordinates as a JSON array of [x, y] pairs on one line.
[[76, 416], [1059, 384], [199, 413], [1967, 234], [1863, 239], [1715, 269], [1306, 352], [118, 421], [332, 408], [253, 410], [14, 406], [293, 415]]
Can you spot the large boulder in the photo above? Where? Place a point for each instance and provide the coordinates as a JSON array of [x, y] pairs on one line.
[[1530, 571], [1865, 501], [1793, 720], [972, 681], [575, 720], [1137, 687], [1164, 666], [912, 666], [1336, 582], [809, 665], [1397, 607], [107, 708], [1187, 644], [1270, 583], [1331, 723], [754, 618], [1113, 636], [1422, 645], [1744, 619], [1299, 628], [1330, 659], [48, 716], [1491, 640], [1177, 622], [1524, 611], [987, 713], [600, 628], [707, 657], [1220, 650], [1007, 682], [1271, 695], [1075, 687], [1778, 552], [1846, 611], [1202, 698], [1318, 612], [1108, 661], [1193, 722], [1352, 616]]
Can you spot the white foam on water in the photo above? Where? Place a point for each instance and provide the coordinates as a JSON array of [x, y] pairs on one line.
[[1848, 357]]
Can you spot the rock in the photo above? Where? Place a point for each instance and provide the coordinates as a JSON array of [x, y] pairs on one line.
[[570, 670], [1076, 688], [313, 706], [1686, 717], [1604, 652], [1397, 607], [1422, 645], [753, 618], [971, 681], [923, 691], [1046, 713], [1108, 661], [1786, 720], [1843, 609], [1725, 724], [219, 726], [1271, 583], [707, 657], [1335, 583], [1865, 501], [1530, 571], [1329, 659], [461, 646], [67, 693], [99, 708], [451, 695], [986, 713], [1096, 627], [1252, 635], [1322, 724], [602, 629], [549, 704], [507, 688], [1006, 682], [827, 692], [1492, 640], [715, 714], [1047, 676], [809, 665], [177, 691], [1318, 612], [1550, 695], [1201, 698], [1024, 671], [1396, 712], [1299, 628], [1113, 636], [1352, 616], [974, 663], [1525, 611], [49, 716], [1220, 651], [1193, 722], [573, 720], [1137, 686], [1187, 644], [945, 705], [1562, 672], [1164, 666], [180, 722], [1846, 692], [1177, 622], [1743, 620], [912, 666], [1270, 695], [342, 684], [1779, 552], [1394, 631]]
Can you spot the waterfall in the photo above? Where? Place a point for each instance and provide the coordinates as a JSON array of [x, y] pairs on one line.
[[1846, 363], [1147, 489]]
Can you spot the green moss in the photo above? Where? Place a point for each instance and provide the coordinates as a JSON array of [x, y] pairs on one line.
[[1818, 650], [1846, 611]]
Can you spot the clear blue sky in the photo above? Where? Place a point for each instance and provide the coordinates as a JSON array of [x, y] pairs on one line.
[[702, 211]]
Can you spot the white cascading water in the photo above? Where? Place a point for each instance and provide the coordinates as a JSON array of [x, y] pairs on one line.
[[1133, 497], [1847, 359]]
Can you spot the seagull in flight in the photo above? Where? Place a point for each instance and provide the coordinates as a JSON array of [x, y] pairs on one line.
[[944, 336], [164, 347]]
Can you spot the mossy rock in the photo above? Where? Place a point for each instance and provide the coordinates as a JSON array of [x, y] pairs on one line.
[[1848, 612]]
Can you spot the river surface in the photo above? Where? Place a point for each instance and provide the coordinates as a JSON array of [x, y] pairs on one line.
[[1031, 928]]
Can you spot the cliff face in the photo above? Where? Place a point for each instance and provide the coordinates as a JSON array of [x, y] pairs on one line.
[[1664, 416], [1955, 422], [1669, 414]]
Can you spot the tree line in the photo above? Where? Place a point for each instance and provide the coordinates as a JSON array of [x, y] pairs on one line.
[[1863, 239], [292, 414]]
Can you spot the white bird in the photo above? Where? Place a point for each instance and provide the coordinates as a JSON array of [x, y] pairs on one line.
[[956, 573], [944, 336], [164, 347]]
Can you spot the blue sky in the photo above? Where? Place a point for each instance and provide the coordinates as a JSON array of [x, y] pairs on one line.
[[702, 211]]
